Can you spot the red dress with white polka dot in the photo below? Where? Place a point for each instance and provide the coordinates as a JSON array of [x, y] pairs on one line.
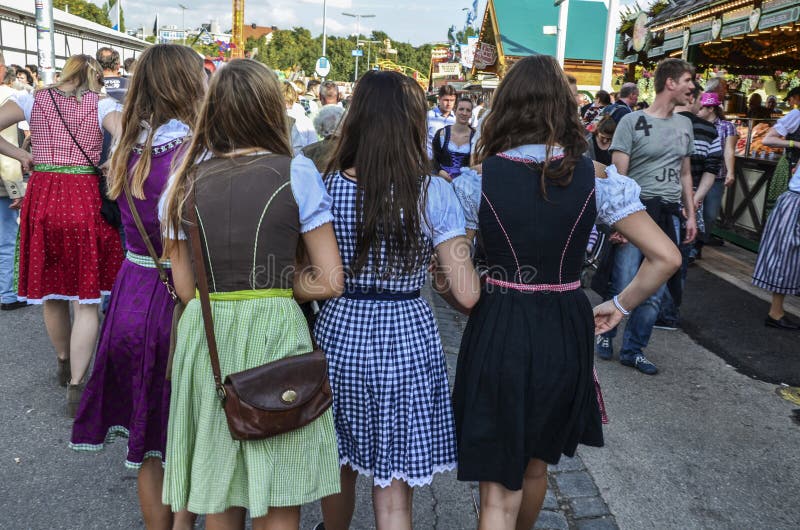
[[67, 250]]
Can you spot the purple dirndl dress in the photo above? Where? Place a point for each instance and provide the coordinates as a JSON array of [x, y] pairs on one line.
[[127, 394]]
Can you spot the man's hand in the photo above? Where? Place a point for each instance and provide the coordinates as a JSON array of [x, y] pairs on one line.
[[617, 239], [691, 230], [16, 204], [729, 180]]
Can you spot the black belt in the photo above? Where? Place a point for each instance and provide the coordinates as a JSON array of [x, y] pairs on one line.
[[377, 293]]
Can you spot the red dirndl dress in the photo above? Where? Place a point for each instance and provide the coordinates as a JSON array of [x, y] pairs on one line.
[[67, 250]]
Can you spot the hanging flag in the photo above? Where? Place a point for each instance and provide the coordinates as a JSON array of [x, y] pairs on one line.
[[114, 15], [155, 28], [474, 9]]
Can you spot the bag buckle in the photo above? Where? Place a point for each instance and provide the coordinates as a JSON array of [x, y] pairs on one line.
[[221, 394]]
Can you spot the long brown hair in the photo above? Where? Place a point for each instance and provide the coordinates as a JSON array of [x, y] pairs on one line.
[[169, 84], [243, 110], [384, 138], [534, 105]]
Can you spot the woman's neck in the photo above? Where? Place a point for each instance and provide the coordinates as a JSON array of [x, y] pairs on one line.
[[460, 127]]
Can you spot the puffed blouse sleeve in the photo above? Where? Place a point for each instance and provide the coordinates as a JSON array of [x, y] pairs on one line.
[[162, 212], [445, 220], [313, 200], [617, 197], [106, 106], [467, 188], [24, 100]]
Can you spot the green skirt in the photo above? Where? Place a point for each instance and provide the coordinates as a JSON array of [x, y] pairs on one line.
[[207, 471]]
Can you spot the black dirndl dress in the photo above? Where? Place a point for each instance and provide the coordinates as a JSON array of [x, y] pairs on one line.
[[524, 382]]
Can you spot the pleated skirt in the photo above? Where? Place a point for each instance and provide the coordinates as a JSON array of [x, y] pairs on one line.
[[778, 265], [524, 384], [207, 471]]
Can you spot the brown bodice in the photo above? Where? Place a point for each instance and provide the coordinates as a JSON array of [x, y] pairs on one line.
[[249, 222]]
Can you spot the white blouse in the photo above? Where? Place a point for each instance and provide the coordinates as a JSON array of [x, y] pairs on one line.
[[313, 200], [105, 106], [616, 196]]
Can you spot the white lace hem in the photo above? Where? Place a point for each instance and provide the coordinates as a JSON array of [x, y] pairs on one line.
[[385, 483], [71, 298]]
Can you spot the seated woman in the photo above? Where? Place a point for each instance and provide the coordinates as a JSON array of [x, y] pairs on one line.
[[452, 144]]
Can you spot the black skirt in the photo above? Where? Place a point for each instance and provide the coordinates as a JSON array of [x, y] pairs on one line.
[[524, 384]]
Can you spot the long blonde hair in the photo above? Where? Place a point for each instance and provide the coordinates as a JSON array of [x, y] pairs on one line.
[[169, 84], [243, 110], [82, 71]]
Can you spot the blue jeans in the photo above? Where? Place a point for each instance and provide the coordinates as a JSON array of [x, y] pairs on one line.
[[670, 312], [627, 260], [712, 204], [8, 243]]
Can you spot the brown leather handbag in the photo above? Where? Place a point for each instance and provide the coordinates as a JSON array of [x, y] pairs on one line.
[[270, 399]]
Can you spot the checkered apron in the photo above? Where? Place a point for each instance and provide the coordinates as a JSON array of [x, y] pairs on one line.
[[392, 409]]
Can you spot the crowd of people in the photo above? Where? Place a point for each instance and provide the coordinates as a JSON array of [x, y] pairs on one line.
[[260, 219]]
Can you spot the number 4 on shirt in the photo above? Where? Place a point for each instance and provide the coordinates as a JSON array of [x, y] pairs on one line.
[[642, 125]]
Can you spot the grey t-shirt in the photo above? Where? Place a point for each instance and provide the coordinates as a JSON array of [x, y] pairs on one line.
[[657, 147]]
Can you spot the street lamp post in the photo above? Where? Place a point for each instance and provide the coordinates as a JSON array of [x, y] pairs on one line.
[[324, 33], [358, 18], [183, 22]]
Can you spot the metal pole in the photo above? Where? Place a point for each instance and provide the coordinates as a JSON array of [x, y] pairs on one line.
[[45, 40], [610, 44], [369, 54], [561, 41], [358, 32], [324, 34]]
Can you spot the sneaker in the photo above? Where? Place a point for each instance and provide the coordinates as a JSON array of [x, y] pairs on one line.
[[663, 324], [320, 526], [640, 362], [604, 349]]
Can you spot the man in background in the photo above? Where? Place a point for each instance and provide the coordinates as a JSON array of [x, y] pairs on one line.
[[116, 85], [442, 114], [627, 98], [12, 190]]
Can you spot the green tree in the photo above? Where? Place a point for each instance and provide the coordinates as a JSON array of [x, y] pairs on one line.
[[84, 9]]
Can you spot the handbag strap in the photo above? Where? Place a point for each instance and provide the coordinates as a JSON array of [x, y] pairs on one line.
[[202, 287], [162, 274], [64, 123]]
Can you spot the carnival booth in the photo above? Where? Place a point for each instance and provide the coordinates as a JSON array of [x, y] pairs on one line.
[[752, 44], [513, 29]]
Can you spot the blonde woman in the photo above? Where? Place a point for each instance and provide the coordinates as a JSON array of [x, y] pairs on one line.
[[254, 205], [68, 253]]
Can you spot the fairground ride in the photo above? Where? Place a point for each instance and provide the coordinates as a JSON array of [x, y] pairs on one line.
[[237, 33], [416, 75]]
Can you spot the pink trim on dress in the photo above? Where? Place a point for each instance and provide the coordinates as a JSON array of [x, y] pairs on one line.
[[508, 239], [571, 232], [600, 403], [527, 159], [536, 287]]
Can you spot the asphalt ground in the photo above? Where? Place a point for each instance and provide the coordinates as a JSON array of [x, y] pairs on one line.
[[730, 322]]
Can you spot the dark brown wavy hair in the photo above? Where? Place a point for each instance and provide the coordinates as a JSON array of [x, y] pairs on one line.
[[534, 105], [384, 138]]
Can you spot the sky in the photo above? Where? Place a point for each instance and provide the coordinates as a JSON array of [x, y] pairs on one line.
[[414, 21]]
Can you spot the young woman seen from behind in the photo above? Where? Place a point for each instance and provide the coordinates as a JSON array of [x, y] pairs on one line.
[[524, 392], [254, 204], [387, 369], [128, 394]]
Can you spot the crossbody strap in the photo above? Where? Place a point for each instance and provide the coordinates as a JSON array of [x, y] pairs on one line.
[[64, 123], [202, 287], [162, 274]]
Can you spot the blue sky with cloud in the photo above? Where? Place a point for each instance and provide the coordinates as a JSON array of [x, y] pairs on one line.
[[417, 22]]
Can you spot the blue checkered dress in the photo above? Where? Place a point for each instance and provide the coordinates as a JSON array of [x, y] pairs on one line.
[[387, 369]]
